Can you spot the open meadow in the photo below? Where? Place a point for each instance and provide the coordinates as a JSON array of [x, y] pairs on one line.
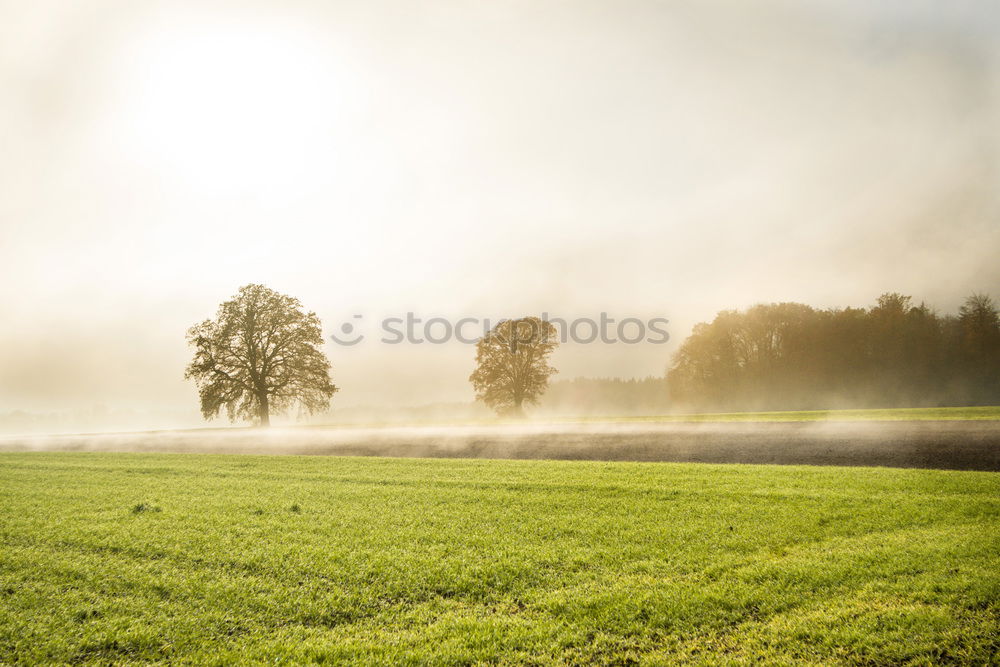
[[963, 413], [500, 333], [937, 438], [208, 559]]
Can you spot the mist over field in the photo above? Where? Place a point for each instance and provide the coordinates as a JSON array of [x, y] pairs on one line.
[[579, 332], [643, 159], [959, 444]]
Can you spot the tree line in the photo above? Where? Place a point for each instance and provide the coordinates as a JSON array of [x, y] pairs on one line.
[[603, 396], [791, 356], [263, 353]]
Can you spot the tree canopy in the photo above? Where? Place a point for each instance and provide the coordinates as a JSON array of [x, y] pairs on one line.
[[261, 354], [791, 356], [512, 366]]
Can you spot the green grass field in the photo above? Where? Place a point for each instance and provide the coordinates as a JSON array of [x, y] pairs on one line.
[[225, 559], [965, 413], [985, 412]]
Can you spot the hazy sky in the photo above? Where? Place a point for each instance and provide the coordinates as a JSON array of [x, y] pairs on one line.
[[474, 158]]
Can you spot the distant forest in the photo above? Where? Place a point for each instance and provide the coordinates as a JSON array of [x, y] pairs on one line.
[[789, 356], [606, 396]]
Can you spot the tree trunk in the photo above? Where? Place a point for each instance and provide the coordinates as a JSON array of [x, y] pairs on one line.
[[265, 414], [517, 410]]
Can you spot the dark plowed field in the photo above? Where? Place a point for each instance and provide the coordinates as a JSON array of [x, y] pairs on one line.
[[959, 445]]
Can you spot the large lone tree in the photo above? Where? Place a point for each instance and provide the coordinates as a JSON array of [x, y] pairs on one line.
[[261, 354], [512, 364]]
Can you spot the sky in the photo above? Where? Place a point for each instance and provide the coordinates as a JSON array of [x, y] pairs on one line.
[[484, 159]]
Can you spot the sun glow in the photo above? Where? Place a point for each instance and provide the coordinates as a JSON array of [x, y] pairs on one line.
[[231, 105]]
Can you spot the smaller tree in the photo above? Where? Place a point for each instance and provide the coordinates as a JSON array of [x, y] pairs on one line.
[[980, 322], [979, 347], [261, 354], [512, 366]]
